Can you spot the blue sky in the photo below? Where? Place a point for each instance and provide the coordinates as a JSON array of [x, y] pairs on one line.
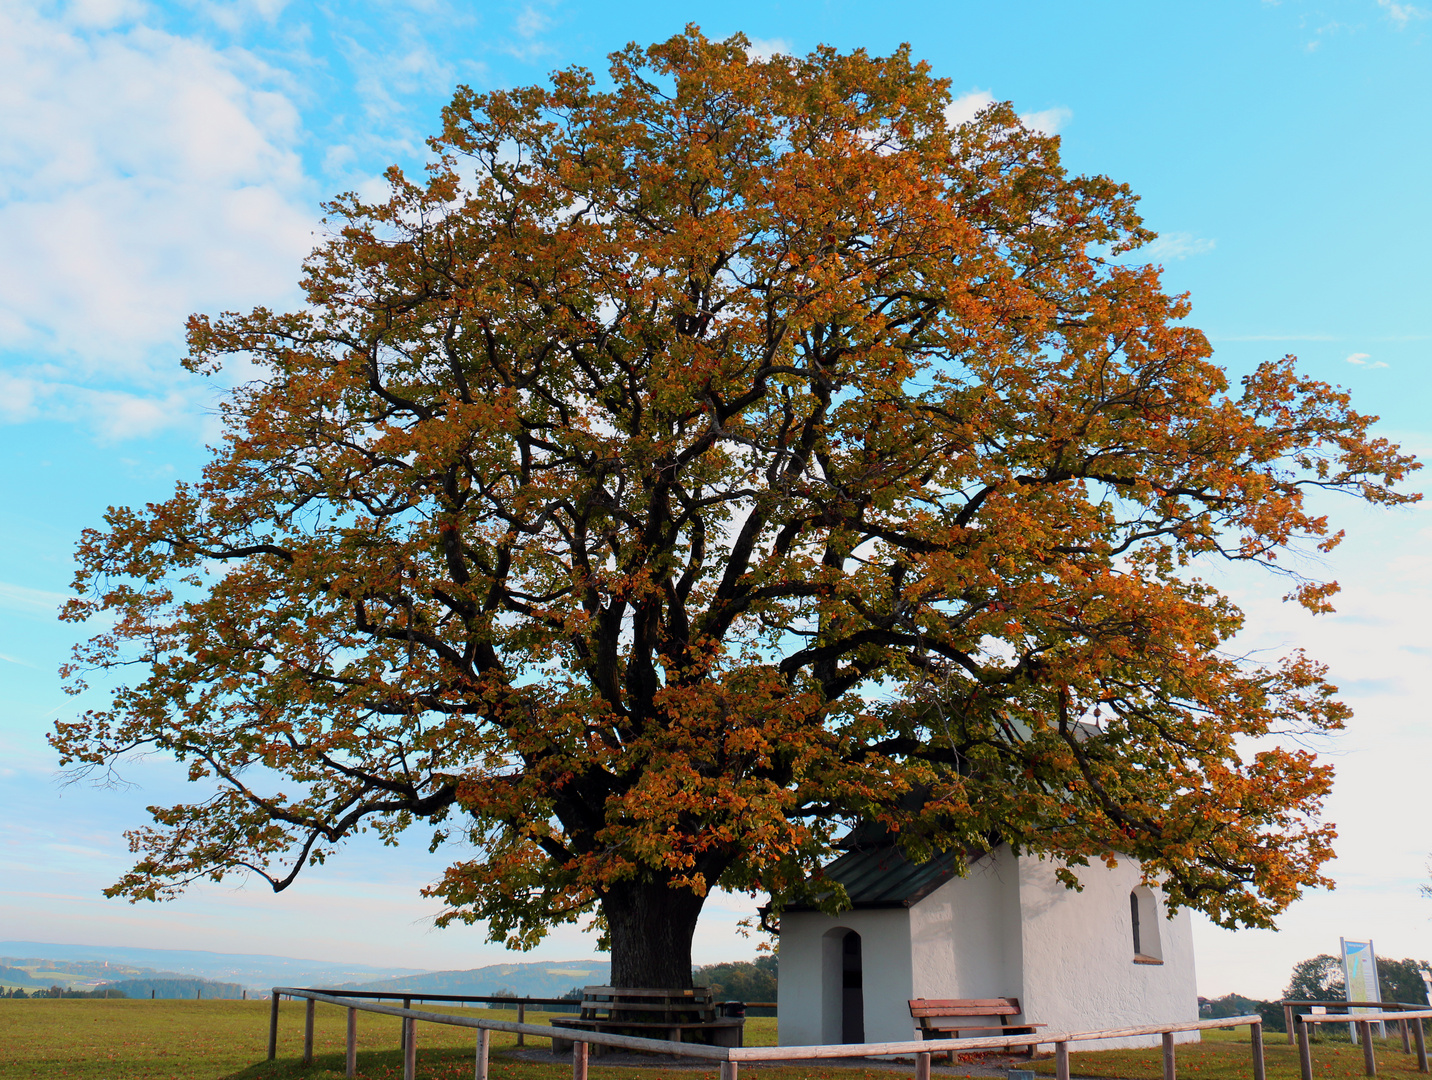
[[163, 158]]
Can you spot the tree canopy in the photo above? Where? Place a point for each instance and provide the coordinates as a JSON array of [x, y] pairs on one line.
[[691, 466]]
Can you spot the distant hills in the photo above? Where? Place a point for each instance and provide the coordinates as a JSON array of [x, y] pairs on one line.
[[36, 964], [523, 980], [86, 966]]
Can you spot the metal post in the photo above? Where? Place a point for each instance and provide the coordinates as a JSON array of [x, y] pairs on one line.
[[1421, 1040], [273, 1027], [1369, 1063], [521, 1019], [410, 1048], [922, 1067], [579, 1060], [1169, 1071], [1255, 1033], [1061, 1061], [1305, 1052], [484, 1044], [351, 1066], [308, 1005]]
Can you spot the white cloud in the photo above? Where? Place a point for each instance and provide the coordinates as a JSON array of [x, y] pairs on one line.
[[233, 15], [28, 601], [766, 48], [1175, 245], [142, 177], [1360, 359], [102, 14], [965, 107], [1401, 14], [1048, 121], [1376, 646]]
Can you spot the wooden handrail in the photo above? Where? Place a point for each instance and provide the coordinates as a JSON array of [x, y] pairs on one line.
[[413, 995], [731, 1057], [1364, 1022]]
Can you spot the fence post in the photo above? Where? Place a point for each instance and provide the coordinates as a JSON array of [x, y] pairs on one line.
[[1061, 1061], [1421, 1039], [403, 1027], [410, 1048], [484, 1040], [351, 1063], [1406, 1037], [579, 1060], [1305, 1052], [1255, 1033], [730, 1070], [273, 1027], [308, 1005], [1288, 1022], [521, 1019], [1168, 1061], [922, 1067], [1369, 1063]]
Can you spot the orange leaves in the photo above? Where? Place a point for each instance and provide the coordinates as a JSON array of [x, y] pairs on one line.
[[671, 480]]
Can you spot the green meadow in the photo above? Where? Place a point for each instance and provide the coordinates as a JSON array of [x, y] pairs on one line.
[[228, 1040]]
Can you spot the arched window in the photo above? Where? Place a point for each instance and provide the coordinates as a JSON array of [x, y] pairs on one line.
[[1144, 915]]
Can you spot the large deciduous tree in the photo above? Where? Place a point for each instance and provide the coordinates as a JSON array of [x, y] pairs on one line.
[[685, 470]]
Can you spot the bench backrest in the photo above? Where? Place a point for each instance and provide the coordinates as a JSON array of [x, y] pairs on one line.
[[606, 1002], [921, 1008]]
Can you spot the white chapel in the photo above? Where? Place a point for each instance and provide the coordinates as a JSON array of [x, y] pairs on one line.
[[1107, 956]]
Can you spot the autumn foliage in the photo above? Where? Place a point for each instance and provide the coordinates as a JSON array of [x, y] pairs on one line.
[[686, 470]]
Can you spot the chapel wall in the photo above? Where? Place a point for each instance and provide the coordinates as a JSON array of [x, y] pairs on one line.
[[1078, 948], [965, 936]]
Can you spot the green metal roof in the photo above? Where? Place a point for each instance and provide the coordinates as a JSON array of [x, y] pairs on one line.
[[880, 876]]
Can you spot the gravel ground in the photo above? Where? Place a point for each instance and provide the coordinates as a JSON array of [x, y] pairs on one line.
[[991, 1065]]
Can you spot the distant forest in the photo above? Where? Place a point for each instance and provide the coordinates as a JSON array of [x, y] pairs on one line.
[[159, 989], [204, 989]]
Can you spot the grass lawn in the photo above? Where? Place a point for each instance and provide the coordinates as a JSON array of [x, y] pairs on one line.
[[228, 1040]]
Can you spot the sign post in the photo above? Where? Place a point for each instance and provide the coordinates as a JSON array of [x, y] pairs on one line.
[[1360, 978]]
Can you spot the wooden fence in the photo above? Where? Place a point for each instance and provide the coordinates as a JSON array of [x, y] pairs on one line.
[[729, 1058], [1364, 1022], [1343, 1018]]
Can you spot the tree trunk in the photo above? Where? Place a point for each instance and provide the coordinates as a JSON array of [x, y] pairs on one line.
[[651, 928]]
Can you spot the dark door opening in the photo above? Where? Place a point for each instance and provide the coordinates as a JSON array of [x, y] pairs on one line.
[[852, 994]]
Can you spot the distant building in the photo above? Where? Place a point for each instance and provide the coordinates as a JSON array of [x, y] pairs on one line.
[[1101, 958]]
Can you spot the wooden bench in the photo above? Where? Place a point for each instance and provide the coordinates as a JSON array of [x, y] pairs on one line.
[[652, 1014], [945, 1018]]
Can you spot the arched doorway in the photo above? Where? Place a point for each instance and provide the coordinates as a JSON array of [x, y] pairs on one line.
[[852, 993]]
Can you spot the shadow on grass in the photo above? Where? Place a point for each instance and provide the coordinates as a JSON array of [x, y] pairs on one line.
[[452, 1064], [440, 1063]]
